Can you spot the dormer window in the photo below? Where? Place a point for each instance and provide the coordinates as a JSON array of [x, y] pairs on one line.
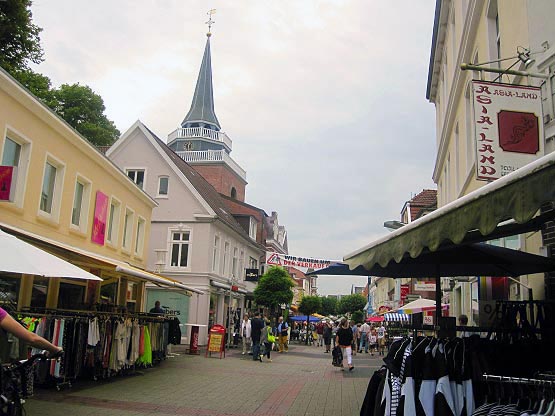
[[252, 228]]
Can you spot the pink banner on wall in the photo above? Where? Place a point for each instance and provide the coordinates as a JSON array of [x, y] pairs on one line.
[[6, 175], [99, 222]]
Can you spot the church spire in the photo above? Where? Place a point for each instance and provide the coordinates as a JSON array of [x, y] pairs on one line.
[[202, 107]]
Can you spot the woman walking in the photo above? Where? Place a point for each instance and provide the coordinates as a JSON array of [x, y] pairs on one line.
[[344, 339], [267, 338]]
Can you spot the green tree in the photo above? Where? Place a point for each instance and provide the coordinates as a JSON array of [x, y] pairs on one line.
[[83, 109], [351, 303], [19, 37], [274, 288], [357, 316], [329, 306], [39, 85]]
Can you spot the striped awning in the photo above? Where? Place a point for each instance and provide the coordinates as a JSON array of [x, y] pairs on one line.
[[396, 317]]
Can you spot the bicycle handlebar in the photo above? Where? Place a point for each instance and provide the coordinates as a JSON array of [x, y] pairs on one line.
[[35, 357]]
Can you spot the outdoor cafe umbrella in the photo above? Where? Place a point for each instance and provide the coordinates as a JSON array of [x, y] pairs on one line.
[[418, 306], [18, 256], [303, 318]]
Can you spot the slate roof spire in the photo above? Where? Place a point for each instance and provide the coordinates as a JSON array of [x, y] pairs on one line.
[[202, 107]]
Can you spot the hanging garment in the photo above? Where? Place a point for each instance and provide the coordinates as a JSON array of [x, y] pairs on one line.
[[146, 357], [370, 399], [444, 404]]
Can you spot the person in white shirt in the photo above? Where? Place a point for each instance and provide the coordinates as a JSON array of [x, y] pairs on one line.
[[364, 334], [246, 333], [381, 332]]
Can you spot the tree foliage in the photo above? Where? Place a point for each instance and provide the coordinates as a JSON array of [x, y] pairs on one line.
[[84, 110], [310, 305], [274, 288], [19, 37], [351, 303], [357, 316], [329, 306], [77, 104]]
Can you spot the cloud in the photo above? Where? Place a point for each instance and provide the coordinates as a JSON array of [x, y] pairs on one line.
[[324, 100]]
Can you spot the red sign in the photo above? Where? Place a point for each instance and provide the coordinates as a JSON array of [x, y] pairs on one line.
[[234, 288], [384, 309], [99, 221], [405, 289], [193, 345], [6, 177], [518, 132]]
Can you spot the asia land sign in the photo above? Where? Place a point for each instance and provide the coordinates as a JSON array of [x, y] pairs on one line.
[[508, 127]]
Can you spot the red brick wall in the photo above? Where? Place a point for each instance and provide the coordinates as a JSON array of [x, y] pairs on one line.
[[223, 179], [240, 209]]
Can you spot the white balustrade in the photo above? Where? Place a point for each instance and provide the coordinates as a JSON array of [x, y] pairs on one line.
[[200, 132], [200, 156]]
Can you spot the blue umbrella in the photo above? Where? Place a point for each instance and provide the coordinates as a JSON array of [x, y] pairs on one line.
[[303, 318]]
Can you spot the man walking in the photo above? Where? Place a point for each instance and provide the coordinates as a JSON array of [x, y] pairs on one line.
[[256, 330], [282, 335], [364, 334]]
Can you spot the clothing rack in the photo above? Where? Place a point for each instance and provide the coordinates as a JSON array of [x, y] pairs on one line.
[[517, 380]]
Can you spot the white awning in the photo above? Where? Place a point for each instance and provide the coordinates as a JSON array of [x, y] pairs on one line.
[[18, 256], [396, 317], [154, 278]]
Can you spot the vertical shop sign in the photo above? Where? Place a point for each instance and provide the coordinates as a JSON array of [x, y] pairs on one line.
[[6, 177], [508, 127], [99, 221], [404, 293]]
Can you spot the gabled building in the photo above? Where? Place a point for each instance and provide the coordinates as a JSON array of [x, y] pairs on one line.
[[194, 237]]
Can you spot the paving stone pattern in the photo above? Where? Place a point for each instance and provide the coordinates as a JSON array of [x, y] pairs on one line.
[[300, 382]]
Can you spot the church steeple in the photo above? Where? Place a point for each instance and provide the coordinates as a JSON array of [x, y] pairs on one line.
[[202, 112]]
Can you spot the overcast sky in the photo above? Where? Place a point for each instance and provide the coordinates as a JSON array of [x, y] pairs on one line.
[[324, 100]]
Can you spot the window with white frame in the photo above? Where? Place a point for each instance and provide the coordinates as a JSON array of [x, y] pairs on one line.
[[180, 242], [137, 176], [216, 253], [253, 263], [252, 228], [113, 222], [127, 229], [242, 264], [235, 262], [51, 191], [226, 258], [16, 152], [81, 201], [140, 237], [163, 182]]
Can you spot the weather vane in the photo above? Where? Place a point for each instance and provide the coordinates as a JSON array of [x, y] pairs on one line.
[[210, 21]]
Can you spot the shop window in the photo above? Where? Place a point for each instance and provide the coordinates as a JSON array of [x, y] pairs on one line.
[[109, 292], [131, 297], [71, 295], [39, 292], [9, 291], [180, 248], [137, 176]]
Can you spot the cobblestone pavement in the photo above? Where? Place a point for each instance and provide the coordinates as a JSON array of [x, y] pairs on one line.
[[300, 382]]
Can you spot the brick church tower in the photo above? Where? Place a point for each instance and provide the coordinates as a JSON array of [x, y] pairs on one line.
[[201, 143]]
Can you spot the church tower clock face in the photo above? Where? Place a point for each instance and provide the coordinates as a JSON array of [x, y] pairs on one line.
[[188, 146]]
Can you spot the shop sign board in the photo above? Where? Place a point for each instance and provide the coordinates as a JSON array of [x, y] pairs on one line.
[[251, 275], [216, 339], [425, 287], [489, 313], [404, 292], [428, 320], [508, 126]]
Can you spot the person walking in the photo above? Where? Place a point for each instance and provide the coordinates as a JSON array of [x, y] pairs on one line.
[[381, 332], [320, 332], [364, 332], [282, 335], [246, 333], [373, 340], [256, 327], [354, 345], [267, 339], [326, 334], [344, 339]]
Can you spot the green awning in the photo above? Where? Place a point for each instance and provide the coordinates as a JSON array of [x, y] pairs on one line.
[[474, 217]]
